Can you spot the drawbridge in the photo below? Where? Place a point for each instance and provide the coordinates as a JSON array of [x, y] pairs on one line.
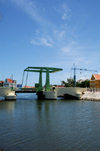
[[41, 70], [46, 91]]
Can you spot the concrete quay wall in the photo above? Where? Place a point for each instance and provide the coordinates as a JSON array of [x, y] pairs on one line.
[[73, 91], [7, 93], [91, 95]]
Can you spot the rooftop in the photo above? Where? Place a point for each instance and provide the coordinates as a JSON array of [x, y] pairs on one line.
[[95, 77]]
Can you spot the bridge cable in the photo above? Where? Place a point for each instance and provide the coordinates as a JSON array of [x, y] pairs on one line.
[[26, 79], [23, 77]]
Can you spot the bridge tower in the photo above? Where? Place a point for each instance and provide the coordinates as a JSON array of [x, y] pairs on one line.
[[40, 70]]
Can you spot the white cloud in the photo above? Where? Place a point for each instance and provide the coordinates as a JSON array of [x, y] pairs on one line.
[[69, 47], [66, 49], [42, 41], [59, 34], [46, 42], [66, 12], [56, 33], [29, 7]]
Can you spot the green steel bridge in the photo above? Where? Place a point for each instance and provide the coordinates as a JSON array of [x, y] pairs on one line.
[[40, 70], [46, 92]]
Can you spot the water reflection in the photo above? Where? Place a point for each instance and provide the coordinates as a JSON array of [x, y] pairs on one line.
[[7, 105], [28, 124], [45, 111], [39, 104]]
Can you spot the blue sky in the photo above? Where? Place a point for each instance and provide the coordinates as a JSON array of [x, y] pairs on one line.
[[54, 33]]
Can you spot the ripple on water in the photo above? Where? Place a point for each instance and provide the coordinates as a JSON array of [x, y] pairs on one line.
[[49, 125]]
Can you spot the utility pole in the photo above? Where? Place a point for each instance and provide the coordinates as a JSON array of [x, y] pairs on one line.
[[80, 70]]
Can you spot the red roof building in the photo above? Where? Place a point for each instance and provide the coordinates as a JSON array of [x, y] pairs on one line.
[[9, 83], [10, 80], [95, 81]]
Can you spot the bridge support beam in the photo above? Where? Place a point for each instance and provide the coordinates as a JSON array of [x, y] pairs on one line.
[[47, 86], [40, 81]]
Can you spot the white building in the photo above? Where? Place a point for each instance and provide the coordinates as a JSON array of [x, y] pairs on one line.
[[10, 83]]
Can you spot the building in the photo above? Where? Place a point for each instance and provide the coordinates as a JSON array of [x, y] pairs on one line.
[[1, 83], [9, 83], [95, 81]]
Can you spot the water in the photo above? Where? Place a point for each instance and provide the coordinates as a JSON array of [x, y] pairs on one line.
[[28, 124]]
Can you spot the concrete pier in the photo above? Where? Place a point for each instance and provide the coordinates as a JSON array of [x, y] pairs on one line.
[[51, 95], [66, 92], [40, 95], [7, 93], [91, 95]]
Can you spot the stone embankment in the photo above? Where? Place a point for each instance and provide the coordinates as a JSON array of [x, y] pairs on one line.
[[92, 95]]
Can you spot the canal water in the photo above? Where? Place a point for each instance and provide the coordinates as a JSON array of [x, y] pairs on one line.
[[61, 125]]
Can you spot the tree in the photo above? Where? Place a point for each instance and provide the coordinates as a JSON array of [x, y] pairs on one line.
[[83, 84], [70, 83]]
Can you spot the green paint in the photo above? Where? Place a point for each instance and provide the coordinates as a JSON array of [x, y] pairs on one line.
[[47, 86], [40, 81], [41, 70]]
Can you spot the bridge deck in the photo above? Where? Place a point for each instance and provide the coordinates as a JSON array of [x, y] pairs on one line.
[[26, 90]]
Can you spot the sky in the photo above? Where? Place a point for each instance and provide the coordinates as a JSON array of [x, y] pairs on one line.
[[50, 33]]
